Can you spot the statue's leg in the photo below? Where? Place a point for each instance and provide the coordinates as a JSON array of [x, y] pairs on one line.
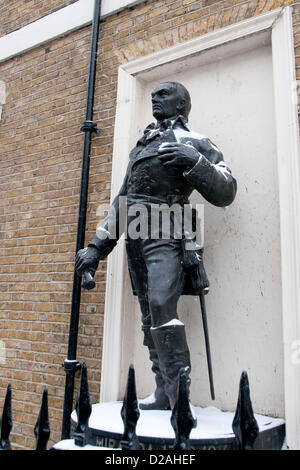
[[171, 345], [165, 283], [158, 400]]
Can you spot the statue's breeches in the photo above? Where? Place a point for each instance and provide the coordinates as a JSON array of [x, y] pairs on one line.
[[157, 275]]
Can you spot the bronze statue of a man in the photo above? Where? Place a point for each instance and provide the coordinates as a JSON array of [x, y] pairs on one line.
[[167, 164]]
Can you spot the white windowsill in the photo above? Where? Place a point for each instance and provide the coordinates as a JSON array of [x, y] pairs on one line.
[[56, 24]]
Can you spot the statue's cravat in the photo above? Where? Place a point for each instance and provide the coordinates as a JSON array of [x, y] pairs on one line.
[[159, 129], [153, 130]]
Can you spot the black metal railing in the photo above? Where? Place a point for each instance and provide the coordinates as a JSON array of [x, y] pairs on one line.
[[244, 425], [41, 429]]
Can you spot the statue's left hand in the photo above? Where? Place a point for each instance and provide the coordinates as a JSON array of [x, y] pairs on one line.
[[179, 155]]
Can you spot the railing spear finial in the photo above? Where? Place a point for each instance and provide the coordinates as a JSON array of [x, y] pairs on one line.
[[42, 427], [130, 414], [6, 422], [83, 409], [244, 424], [182, 419]]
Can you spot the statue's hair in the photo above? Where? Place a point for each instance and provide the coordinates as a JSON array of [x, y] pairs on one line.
[[184, 94]]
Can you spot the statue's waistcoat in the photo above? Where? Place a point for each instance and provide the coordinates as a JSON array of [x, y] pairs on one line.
[[147, 174]]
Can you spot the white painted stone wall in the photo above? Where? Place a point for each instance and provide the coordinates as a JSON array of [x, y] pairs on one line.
[[232, 103]]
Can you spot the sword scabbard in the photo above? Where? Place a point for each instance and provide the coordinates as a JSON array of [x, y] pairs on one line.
[[207, 345]]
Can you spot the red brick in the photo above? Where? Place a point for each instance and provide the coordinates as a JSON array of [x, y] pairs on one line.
[[40, 175]]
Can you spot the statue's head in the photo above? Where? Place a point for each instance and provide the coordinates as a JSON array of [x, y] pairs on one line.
[[170, 99]]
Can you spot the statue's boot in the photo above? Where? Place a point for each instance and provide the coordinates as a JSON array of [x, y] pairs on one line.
[[173, 352], [157, 400]]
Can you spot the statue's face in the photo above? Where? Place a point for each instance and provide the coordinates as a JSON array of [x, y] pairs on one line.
[[165, 101]]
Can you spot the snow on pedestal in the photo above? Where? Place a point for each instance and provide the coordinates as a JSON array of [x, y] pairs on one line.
[[154, 430], [212, 423]]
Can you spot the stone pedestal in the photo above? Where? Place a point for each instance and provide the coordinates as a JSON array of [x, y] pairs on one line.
[[213, 432]]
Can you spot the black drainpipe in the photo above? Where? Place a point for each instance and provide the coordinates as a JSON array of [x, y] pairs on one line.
[[71, 365]]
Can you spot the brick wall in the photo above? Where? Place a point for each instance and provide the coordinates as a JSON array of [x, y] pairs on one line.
[[40, 159], [39, 183], [17, 13]]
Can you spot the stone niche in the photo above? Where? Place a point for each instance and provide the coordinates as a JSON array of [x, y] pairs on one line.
[[232, 103]]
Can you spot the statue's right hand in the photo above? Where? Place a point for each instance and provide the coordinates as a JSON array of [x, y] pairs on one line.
[[87, 259]]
